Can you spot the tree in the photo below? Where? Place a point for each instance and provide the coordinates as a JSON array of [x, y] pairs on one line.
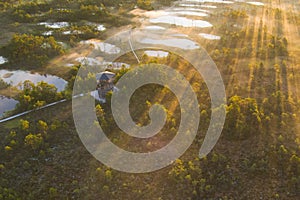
[[144, 4], [34, 141], [53, 192], [24, 124], [34, 96], [32, 51], [7, 148], [243, 118], [43, 126], [3, 84]]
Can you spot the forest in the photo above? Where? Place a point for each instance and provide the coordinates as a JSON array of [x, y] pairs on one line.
[[256, 157]]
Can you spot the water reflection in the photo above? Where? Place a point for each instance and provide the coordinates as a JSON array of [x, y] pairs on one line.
[[47, 33], [103, 47], [195, 5], [172, 42], [256, 3], [153, 53], [88, 61], [3, 60], [19, 76], [55, 25], [210, 36], [154, 28], [181, 21], [191, 9], [7, 104], [190, 13]]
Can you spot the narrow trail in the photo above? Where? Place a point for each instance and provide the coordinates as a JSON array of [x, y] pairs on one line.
[[30, 111], [41, 108]]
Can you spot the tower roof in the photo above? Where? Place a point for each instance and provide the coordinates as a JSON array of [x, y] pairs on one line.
[[105, 76]]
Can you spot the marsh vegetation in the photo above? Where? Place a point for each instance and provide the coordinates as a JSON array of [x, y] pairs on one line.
[[257, 53]]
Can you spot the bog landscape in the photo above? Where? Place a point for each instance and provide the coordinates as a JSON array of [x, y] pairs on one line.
[[52, 51]]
